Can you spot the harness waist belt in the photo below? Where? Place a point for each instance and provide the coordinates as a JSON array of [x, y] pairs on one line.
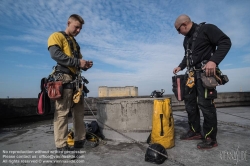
[[199, 65], [69, 86], [64, 70]]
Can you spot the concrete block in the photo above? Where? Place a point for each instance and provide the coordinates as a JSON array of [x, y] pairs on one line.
[[129, 116]]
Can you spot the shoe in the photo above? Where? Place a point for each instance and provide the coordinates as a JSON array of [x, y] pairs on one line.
[[64, 150], [79, 144], [207, 143], [190, 135]]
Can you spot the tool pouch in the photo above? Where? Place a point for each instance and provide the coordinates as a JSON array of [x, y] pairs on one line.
[[178, 86], [224, 79], [208, 82], [210, 93], [220, 78], [55, 90]]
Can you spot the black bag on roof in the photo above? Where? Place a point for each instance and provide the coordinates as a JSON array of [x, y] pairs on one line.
[[154, 157], [94, 128]]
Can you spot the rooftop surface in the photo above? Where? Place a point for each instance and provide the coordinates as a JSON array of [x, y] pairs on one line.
[[34, 142]]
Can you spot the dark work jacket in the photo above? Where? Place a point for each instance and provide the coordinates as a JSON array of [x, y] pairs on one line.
[[210, 39]]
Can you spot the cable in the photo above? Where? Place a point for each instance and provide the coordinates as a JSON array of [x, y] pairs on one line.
[[234, 115], [135, 141], [222, 122]]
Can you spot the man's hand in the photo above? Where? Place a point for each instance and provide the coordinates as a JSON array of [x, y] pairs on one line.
[[210, 68], [82, 63], [176, 70], [85, 64], [89, 64]]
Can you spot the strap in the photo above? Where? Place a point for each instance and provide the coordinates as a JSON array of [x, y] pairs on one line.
[[188, 51], [64, 69], [69, 86], [43, 83], [196, 34], [73, 51]]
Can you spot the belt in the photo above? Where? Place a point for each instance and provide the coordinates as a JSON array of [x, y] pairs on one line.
[[198, 66], [65, 70], [69, 86]]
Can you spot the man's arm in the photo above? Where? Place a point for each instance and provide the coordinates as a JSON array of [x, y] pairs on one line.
[[223, 43], [61, 58], [183, 63], [221, 40]]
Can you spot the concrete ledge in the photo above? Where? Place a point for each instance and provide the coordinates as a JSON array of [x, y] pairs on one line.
[[20, 107]]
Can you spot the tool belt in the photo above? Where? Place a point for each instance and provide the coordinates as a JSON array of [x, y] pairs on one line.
[[209, 82], [69, 86], [65, 70], [75, 83], [55, 85]]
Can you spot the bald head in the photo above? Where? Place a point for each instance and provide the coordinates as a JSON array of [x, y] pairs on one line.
[[182, 19], [183, 24]]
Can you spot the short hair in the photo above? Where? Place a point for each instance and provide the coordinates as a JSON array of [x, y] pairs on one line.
[[77, 17]]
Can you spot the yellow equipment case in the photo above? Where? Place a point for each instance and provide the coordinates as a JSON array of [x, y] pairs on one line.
[[163, 123]]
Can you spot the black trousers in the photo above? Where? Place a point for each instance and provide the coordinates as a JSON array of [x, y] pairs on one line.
[[195, 100]]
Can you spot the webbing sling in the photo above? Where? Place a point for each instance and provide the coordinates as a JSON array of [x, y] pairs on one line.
[[74, 52], [194, 37]]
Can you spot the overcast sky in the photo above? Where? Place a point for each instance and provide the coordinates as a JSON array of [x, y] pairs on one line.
[[131, 42]]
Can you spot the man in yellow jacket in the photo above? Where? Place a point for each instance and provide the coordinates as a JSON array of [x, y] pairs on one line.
[[65, 51]]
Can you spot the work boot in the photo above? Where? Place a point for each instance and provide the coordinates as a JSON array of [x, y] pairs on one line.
[[190, 135], [64, 151], [79, 144], [207, 143]]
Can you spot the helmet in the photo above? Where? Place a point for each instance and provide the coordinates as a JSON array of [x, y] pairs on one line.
[[154, 157]]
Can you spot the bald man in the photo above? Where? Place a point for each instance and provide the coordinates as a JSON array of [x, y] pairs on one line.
[[203, 54]]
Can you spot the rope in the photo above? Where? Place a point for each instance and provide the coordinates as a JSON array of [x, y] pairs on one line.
[[225, 123], [135, 141]]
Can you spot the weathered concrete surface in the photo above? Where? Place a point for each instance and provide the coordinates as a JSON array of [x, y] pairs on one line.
[[233, 139]]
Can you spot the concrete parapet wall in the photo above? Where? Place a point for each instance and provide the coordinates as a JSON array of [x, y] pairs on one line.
[[131, 117], [12, 108], [123, 114]]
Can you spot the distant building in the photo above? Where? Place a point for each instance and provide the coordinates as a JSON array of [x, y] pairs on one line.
[[105, 91]]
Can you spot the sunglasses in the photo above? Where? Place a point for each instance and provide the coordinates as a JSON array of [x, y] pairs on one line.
[[180, 27]]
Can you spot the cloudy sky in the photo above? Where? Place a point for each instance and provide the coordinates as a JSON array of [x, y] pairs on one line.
[[131, 42]]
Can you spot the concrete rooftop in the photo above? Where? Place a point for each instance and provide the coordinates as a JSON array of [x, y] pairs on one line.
[[233, 139]]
